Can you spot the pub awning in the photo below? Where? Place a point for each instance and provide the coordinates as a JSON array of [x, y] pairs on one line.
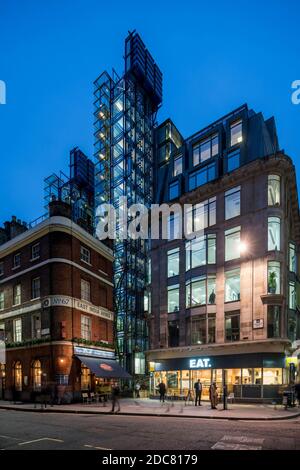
[[104, 368]]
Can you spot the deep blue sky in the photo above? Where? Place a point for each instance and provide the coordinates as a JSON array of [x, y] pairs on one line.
[[215, 55]]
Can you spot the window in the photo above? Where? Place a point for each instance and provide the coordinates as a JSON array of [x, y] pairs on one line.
[[17, 330], [232, 285], [198, 330], [17, 260], [174, 190], [273, 327], [36, 326], [200, 290], [173, 262], [236, 133], [232, 326], [178, 167], [202, 176], [273, 190], [2, 302], [18, 376], [233, 160], [86, 324], [85, 290], [1, 268], [200, 251], [272, 376], [292, 258], [274, 277], [292, 295], [273, 233], [173, 299], [201, 215], [211, 328], [206, 149], [85, 378], [36, 288], [233, 203], [139, 363], [232, 243], [173, 226], [85, 254], [149, 271], [173, 328], [35, 251], [17, 295], [36, 376]]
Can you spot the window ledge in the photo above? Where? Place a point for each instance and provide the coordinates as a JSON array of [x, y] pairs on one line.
[[15, 267], [85, 262], [34, 259], [272, 299]]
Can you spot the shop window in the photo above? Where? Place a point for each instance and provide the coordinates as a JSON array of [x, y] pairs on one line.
[[17, 294], [85, 290], [18, 376], [234, 376], [273, 233], [173, 327], [274, 277], [232, 285], [292, 295], [273, 190], [232, 326], [232, 243], [85, 378], [17, 330], [178, 167], [198, 330], [236, 133], [36, 376], [257, 376], [86, 327], [211, 328], [173, 299], [173, 381], [36, 288], [247, 376], [272, 376], [233, 203], [292, 258], [233, 160], [273, 327], [173, 262]]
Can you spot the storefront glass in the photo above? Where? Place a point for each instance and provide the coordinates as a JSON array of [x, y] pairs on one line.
[[205, 377], [37, 376], [18, 376], [85, 378], [272, 376]]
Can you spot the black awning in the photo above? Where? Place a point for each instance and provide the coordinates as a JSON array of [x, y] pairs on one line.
[[105, 368]]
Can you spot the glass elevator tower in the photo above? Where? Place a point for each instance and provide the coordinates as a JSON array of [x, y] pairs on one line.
[[125, 117]]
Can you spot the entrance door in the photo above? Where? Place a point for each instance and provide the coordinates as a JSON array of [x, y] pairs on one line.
[[205, 377]]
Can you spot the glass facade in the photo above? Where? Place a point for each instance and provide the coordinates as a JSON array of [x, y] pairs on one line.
[[200, 251], [201, 291], [201, 215]]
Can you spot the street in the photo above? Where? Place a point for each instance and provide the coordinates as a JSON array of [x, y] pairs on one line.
[[37, 431]]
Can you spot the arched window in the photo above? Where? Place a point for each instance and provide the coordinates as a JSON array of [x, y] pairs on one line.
[[37, 375], [18, 376], [85, 377]]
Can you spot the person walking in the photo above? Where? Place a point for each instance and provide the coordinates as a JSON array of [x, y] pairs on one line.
[[162, 391], [198, 392], [137, 390], [115, 394], [213, 395]]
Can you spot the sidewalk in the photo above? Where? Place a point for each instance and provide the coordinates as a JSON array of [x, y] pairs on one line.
[[147, 407]]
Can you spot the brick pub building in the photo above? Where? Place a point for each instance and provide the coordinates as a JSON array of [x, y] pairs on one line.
[[56, 302]]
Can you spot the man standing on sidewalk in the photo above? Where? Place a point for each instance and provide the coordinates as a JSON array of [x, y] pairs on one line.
[[198, 392], [115, 393]]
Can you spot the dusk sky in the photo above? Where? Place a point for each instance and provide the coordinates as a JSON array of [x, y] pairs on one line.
[[214, 56]]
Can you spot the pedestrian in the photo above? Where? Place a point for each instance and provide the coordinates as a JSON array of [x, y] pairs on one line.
[[213, 395], [198, 392], [162, 391], [137, 390], [115, 394]]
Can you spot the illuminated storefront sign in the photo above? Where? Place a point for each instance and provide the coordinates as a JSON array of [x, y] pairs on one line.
[[94, 352], [201, 363]]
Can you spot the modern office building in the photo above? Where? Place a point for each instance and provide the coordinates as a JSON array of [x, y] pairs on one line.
[[56, 308], [125, 116], [224, 303]]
